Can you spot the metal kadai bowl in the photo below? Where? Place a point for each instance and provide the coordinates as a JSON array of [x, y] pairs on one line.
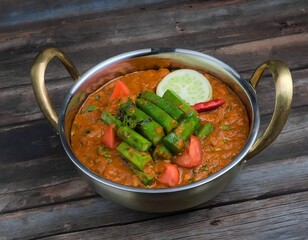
[[182, 197]]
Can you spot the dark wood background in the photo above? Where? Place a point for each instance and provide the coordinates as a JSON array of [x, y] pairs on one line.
[[41, 194]]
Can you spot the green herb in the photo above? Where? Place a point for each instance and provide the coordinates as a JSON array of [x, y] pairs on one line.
[[142, 122], [230, 108], [130, 121], [191, 180], [87, 132], [204, 168], [91, 108], [103, 151], [127, 114], [89, 160], [225, 127], [97, 97]]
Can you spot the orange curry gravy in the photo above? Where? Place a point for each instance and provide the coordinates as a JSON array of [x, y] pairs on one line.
[[231, 128]]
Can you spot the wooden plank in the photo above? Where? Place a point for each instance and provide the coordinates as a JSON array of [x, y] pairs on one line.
[[20, 141], [49, 214], [283, 217], [265, 180], [266, 90], [46, 194], [275, 216], [18, 12], [291, 141], [21, 13], [42, 172], [64, 217], [255, 52], [18, 104]]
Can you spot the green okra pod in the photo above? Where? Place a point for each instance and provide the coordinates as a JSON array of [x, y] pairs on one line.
[[159, 115], [175, 141], [152, 131], [133, 138], [109, 119], [169, 108], [176, 100], [142, 122], [144, 177], [204, 130], [162, 153], [138, 158]]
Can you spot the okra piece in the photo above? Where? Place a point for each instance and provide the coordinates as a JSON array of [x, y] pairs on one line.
[[109, 119], [162, 153], [204, 130], [159, 115], [176, 100], [144, 177], [144, 124], [133, 138], [152, 131], [175, 141], [169, 108], [139, 159]]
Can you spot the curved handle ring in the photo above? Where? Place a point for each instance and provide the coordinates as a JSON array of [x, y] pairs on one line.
[[284, 93], [38, 80]]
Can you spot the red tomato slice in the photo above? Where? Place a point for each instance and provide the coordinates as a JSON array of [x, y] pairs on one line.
[[120, 90], [192, 155], [108, 139], [171, 175]]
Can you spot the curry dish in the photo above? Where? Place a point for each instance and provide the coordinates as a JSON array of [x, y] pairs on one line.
[[102, 129]]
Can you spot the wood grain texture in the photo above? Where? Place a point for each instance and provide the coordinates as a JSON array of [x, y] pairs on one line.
[[283, 216], [41, 193]]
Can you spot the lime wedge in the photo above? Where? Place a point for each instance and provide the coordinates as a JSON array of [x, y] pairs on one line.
[[190, 85]]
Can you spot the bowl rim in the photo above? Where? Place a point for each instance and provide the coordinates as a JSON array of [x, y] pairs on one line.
[[240, 158]]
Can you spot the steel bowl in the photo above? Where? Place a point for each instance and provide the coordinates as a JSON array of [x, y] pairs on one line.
[[182, 197]]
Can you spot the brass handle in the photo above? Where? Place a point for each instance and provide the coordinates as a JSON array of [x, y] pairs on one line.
[[284, 92], [38, 80]]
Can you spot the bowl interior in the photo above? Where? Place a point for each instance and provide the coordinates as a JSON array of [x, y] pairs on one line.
[[146, 59]]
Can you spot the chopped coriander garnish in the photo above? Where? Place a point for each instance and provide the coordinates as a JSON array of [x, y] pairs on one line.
[[204, 168], [97, 97], [225, 127], [87, 132], [130, 121], [230, 108], [91, 108], [191, 180], [103, 151]]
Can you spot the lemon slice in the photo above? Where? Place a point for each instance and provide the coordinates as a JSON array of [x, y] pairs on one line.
[[190, 85]]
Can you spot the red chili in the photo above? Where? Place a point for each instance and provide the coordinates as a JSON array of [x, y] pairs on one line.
[[209, 105]]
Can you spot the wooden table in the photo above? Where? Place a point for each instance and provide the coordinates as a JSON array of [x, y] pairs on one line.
[[42, 195]]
